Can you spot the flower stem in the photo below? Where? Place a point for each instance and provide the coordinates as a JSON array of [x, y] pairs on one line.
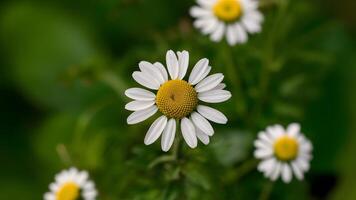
[[266, 191]]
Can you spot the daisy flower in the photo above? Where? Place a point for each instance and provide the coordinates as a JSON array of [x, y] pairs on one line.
[[177, 99], [283, 152], [232, 18], [71, 184]]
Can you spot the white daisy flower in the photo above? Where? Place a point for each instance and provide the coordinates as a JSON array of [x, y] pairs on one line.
[[283, 152], [71, 184], [177, 99], [232, 18]]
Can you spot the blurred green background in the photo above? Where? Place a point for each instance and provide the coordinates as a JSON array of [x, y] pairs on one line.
[[65, 65]]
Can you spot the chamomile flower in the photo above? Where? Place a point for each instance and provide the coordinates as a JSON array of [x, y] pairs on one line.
[[71, 184], [283, 152], [232, 18], [177, 99]]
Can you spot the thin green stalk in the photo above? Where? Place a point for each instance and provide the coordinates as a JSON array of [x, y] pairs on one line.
[[266, 191]]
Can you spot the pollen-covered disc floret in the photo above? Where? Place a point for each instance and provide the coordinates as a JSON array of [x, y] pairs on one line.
[[177, 99], [230, 18], [283, 152], [227, 10], [286, 148], [71, 185]]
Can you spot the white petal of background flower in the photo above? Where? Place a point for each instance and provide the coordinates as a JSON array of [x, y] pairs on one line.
[[168, 135], [286, 173], [206, 3], [155, 130], [188, 132], [140, 94], [293, 129], [217, 35], [141, 115]]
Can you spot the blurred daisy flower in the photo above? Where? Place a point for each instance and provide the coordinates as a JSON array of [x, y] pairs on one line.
[[71, 185], [177, 99], [232, 18], [283, 152]]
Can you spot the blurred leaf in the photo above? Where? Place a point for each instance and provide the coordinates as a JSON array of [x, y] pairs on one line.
[[232, 146]]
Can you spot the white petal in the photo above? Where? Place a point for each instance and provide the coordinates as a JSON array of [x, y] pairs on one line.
[[252, 26], [206, 3], [276, 171], [90, 195], [263, 153], [198, 71], [260, 144], [286, 173], [138, 105], [209, 25], [89, 185], [49, 196], [267, 165], [155, 130], [150, 69], [302, 164], [231, 35], [188, 132], [293, 129], [183, 60], [141, 115], [214, 96], [199, 12], [254, 15], [163, 70], [217, 35], [249, 5], [220, 86], [275, 131], [212, 114], [54, 187], [204, 138], [82, 177], [202, 123], [140, 94], [265, 138], [240, 33], [146, 80], [297, 171], [209, 82], [168, 135], [172, 64]]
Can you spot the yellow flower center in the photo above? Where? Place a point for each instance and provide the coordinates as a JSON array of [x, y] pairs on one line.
[[69, 191], [286, 148], [176, 99], [227, 10]]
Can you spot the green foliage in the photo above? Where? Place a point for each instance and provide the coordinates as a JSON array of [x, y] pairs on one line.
[[69, 63]]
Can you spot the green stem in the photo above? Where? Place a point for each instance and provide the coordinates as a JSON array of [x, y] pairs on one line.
[[266, 191], [237, 173]]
